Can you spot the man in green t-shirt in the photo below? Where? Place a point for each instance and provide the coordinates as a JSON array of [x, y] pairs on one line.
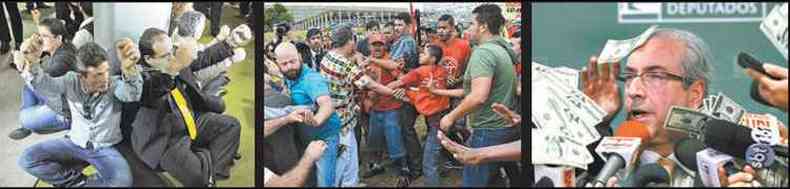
[[490, 70]]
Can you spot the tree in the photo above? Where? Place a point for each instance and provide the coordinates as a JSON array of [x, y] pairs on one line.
[[276, 14]]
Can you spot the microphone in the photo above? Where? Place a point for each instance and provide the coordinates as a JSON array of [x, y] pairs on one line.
[[690, 153], [686, 152], [555, 176], [648, 173], [620, 151], [753, 145], [708, 162]]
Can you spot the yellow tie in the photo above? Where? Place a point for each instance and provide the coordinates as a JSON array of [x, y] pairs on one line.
[[181, 102], [669, 165]]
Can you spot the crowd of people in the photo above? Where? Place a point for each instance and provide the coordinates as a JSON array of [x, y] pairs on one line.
[[324, 94], [160, 99]]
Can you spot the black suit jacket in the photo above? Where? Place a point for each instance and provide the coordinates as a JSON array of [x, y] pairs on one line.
[[152, 119], [307, 57]]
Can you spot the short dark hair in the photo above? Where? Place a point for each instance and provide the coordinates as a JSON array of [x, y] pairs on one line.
[[313, 31], [435, 51], [447, 18], [341, 35], [491, 16], [90, 55], [405, 17], [146, 43], [57, 27], [389, 24], [371, 24]]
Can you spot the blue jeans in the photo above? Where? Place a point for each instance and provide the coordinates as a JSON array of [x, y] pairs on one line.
[[431, 155], [37, 116], [386, 123], [479, 175], [348, 162], [325, 166], [59, 161]]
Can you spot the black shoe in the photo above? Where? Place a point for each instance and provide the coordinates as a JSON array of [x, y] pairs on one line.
[[208, 166], [20, 133], [405, 178], [373, 170], [237, 156]]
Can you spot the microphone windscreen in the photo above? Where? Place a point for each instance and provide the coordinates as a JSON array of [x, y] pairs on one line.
[[727, 137], [686, 152], [544, 182], [633, 129]]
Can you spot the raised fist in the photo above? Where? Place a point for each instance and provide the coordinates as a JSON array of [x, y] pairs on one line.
[[129, 55], [240, 36], [223, 34], [32, 48]]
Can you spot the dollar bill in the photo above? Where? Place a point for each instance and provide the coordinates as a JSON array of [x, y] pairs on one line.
[[686, 121], [551, 147], [774, 26], [728, 109], [569, 76], [559, 104], [615, 50], [580, 113]]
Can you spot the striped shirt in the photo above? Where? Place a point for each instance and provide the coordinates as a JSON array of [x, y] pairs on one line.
[[345, 79]]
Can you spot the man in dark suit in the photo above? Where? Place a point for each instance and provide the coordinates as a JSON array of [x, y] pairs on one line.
[[176, 127], [310, 49]]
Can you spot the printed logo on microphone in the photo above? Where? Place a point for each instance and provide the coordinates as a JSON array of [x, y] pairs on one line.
[[760, 155]]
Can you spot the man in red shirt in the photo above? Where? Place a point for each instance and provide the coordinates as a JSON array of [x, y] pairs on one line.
[[384, 113], [456, 51]]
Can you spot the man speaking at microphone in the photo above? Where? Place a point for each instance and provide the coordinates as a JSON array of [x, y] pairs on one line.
[[672, 68]]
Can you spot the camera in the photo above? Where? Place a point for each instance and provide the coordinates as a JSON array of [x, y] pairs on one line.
[[281, 29]]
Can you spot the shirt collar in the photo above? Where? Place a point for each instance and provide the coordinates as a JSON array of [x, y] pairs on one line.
[[649, 156]]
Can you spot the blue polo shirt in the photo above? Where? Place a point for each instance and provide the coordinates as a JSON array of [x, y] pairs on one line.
[[305, 90]]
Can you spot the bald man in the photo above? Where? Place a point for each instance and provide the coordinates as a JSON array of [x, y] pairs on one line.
[[308, 87]]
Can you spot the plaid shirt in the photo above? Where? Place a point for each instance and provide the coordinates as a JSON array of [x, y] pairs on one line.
[[345, 79]]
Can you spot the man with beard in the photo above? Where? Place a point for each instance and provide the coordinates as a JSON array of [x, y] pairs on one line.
[[489, 78], [308, 87]]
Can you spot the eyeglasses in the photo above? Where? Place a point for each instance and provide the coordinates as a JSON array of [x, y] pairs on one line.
[[45, 35], [166, 55], [649, 79]]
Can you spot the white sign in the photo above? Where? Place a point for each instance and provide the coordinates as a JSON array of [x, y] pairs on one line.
[[641, 13]]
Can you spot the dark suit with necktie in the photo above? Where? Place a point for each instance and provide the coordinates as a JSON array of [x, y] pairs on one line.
[[159, 135]]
